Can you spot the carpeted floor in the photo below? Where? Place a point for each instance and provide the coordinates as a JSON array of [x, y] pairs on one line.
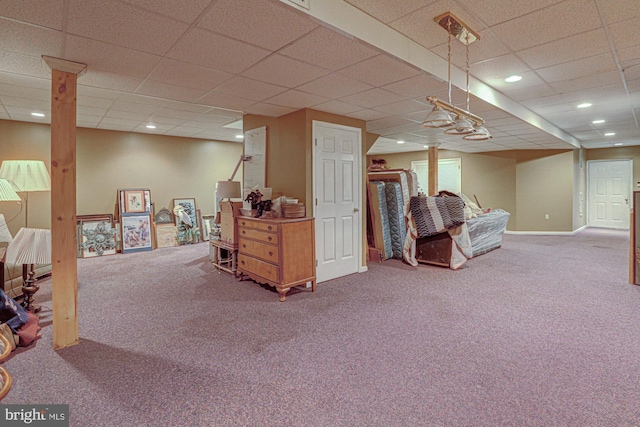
[[542, 332]]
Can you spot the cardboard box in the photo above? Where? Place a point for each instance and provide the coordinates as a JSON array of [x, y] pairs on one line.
[[228, 231], [229, 207]]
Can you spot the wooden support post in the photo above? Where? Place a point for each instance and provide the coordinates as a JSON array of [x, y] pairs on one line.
[[64, 272], [433, 169]]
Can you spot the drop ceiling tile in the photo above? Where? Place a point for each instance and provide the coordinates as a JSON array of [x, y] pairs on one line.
[[126, 127], [124, 25], [380, 70], [337, 107], [371, 98], [42, 104], [92, 102], [328, 49], [567, 49], [522, 93], [87, 121], [110, 58], [230, 55], [269, 110], [494, 12], [106, 80], [625, 33], [27, 117], [24, 92], [264, 23], [30, 40], [387, 11], [587, 82], [126, 115], [215, 99], [404, 107], [189, 75], [489, 46], [620, 10], [91, 111], [182, 131], [47, 13], [373, 125], [249, 89], [579, 68], [418, 86], [183, 11], [296, 99], [498, 68], [168, 91], [548, 24], [284, 71], [29, 66], [128, 106], [334, 86]]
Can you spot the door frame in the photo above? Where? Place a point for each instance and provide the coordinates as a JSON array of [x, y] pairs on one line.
[[588, 187], [357, 171]]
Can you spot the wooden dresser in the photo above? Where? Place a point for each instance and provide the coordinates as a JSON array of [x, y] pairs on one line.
[[280, 252]]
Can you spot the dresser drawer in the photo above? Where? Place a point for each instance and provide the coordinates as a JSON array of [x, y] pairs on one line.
[[259, 250], [272, 228], [257, 267], [252, 233]]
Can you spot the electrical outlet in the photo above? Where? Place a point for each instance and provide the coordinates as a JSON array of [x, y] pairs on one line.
[[546, 216]]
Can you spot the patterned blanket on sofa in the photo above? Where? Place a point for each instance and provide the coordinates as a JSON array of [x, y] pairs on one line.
[[434, 215]]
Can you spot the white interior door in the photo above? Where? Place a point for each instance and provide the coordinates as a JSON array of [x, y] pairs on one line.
[[337, 194], [609, 190]]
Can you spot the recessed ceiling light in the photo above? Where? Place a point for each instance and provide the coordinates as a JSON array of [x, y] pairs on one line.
[[400, 142], [618, 144], [240, 136], [512, 79], [426, 146], [597, 122], [151, 126], [37, 114], [609, 134], [584, 105]]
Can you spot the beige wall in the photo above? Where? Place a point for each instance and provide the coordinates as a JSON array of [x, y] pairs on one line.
[[618, 153], [544, 186], [171, 167]]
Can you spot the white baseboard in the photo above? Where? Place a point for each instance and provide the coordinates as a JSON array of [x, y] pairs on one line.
[[547, 233], [363, 268]]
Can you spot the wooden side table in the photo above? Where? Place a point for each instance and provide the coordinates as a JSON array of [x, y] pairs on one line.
[[225, 257]]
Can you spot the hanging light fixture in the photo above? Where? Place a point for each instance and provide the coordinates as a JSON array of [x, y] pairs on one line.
[[466, 124], [438, 118]]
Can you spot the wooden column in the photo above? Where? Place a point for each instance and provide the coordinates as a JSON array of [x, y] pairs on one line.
[[433, 169], [64, 273]]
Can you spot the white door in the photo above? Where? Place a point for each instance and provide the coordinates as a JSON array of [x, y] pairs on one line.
[[609, 185], [337, 183]]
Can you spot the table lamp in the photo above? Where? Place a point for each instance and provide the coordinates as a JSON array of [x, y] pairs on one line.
[[26, 176], [30, 246]]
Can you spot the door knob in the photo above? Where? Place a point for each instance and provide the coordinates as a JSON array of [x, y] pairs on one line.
[[356, 210]]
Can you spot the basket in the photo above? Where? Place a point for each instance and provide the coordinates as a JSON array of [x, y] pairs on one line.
[[293, 210]]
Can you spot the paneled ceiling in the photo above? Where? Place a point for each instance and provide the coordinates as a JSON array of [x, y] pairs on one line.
[[194, 68]]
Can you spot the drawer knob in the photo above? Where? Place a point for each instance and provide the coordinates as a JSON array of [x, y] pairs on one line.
[[244, 232], [270, 238], [243, 223], [270, 253], [244, 246], [269, 228], [242, 262]]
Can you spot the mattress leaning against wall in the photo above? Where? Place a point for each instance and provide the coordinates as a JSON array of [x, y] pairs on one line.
[[381, 231], [397, 225]]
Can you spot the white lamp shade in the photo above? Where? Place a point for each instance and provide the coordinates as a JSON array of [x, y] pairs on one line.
[[479, 134], [30, 246], [229, 190], [5, 234], [7, 192], [437, 118], [26, 175]]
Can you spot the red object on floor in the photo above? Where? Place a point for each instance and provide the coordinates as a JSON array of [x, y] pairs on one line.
[[29, 331]]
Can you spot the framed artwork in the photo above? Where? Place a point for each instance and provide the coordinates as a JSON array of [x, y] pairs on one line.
[[98, 239], [166, 235], [186, 220], [136, 233], [164, 216], [208, 222], [134, 201]]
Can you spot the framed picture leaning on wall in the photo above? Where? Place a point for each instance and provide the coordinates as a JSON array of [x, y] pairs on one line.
[[186, 218]]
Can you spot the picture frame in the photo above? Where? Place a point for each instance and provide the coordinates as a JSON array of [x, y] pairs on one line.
[[187, 234], [134, 201], [136, 233], [207, 226], [166, 235], [98, 238]]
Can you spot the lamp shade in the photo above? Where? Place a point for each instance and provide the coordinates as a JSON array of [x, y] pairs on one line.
[[26, 175], [7, 192], [228, 190], [5, 234], [479, 134], [437, 118], [30, 246]]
